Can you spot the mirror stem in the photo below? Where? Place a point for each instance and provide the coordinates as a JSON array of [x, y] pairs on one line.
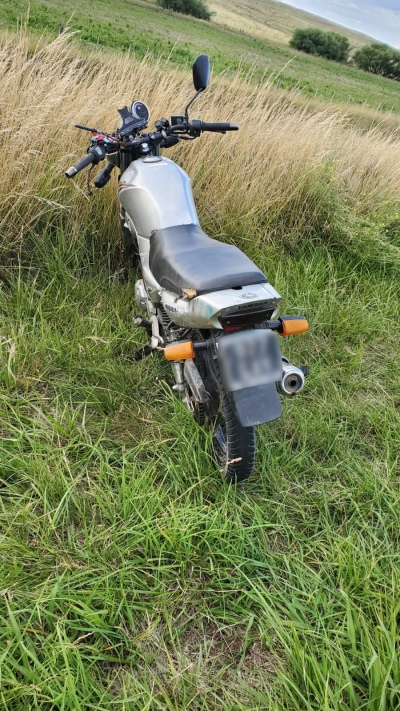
[[191, 102]]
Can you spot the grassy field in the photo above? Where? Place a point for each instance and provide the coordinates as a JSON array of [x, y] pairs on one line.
[[145, 30], [273, 21], [131, 577]]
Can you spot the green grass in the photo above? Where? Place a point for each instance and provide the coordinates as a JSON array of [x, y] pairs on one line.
[[147, 30], [132, 577]]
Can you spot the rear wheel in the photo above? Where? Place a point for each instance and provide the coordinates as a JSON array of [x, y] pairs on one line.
[[234, 446]]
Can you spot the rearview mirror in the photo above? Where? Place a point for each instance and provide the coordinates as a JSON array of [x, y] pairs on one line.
[[201, 72]]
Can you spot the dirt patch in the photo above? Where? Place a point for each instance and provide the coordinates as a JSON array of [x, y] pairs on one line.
[[201, 655]]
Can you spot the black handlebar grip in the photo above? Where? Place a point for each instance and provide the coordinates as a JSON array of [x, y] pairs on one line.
[[87, 160], [103, 176], [95, 155], [219, 127]]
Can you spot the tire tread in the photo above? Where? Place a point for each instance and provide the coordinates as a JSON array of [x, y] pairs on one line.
[[241, 442]]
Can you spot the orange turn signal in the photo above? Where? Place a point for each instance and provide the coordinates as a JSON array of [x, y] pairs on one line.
[[290, 325], [179, 351]]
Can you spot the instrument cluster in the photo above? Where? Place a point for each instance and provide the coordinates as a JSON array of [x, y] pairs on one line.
[[139, 110]]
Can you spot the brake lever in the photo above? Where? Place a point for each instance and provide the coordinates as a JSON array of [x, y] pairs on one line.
[[89, 173]]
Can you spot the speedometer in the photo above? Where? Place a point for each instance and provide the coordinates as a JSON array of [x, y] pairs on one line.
[[140, 111]]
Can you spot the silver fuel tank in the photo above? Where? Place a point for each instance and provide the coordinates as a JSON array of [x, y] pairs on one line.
[[157, 193]]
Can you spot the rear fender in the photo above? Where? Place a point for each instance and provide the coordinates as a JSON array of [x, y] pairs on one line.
[[257, 405], [253, 406]]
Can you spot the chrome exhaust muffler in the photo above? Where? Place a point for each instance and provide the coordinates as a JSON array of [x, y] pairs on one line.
[[292, 379]]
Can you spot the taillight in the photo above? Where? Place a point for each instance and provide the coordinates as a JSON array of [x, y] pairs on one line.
[[248, 316], [229, 329]]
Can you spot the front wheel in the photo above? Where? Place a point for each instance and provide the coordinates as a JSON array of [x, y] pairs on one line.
[[234, 446]]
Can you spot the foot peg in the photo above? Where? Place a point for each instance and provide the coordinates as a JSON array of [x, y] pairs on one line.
[[142, 352], [141, 322]]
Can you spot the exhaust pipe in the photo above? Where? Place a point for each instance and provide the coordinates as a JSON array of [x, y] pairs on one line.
[[292, 379]]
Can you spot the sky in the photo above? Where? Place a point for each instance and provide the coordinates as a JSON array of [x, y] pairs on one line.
[[377, 18]]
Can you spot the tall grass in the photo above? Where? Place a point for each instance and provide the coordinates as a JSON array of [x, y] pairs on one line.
[[131, 577], [289, 175]]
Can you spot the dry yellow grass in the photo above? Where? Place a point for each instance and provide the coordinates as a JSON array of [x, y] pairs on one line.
[[361, 117], [276, 175]]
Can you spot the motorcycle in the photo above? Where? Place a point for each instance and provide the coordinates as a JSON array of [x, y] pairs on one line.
[[204, 303]]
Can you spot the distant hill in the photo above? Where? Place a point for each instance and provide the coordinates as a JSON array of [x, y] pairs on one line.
[[255, 39], [274, 21]]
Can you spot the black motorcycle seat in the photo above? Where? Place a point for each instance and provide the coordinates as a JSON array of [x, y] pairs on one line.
[[185, 258]]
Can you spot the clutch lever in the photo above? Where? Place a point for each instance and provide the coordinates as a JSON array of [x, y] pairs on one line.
[[86, 128], [89, 173]]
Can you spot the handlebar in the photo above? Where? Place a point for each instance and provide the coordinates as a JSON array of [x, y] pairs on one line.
[[166, 138], [94, 156], [193, 128], [216, 127]]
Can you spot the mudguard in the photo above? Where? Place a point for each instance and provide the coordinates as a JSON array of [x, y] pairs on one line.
[[257, 405]]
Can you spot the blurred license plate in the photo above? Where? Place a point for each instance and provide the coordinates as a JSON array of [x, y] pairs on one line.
[[249, 358]]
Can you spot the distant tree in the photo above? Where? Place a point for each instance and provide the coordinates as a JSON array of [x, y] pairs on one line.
[[344, 46], [196, 8], [330, 45], [379, 59]]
